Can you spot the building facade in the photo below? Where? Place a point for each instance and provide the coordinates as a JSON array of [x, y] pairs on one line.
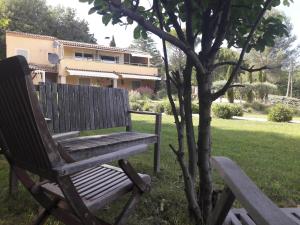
[[61, 61]]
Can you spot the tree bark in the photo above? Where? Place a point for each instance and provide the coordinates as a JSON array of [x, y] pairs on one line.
[[204, 144], [190, 135]]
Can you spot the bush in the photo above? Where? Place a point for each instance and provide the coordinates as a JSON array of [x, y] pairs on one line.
[[236, 110], [222, 111], [257, 106], [168, 108], [280, 113], [134, 96], [136, 106], [145, 92], [148, 106], [195, 107], [158, 107], [161, 94]]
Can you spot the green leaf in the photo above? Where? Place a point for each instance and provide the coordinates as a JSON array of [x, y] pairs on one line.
[[106, 18], [137, 32], [93, 10]]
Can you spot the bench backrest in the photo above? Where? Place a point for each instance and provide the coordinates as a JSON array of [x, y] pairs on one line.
[[77, 107], [24, 135]]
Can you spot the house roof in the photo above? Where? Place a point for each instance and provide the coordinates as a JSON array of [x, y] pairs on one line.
[[81, 44]]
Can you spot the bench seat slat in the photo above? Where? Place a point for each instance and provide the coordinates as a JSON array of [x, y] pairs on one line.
[[89, 146]]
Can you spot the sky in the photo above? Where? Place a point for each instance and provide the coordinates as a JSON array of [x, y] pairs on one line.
[[124, 35]]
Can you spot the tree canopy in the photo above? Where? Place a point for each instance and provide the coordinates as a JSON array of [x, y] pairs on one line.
[[242, 24]]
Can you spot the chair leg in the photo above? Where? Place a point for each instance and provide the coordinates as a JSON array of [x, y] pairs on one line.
[[129, 207], [42, 217]]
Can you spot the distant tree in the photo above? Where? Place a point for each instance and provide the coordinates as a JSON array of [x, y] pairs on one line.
[[34, 16], [112, 42], [148, 45]]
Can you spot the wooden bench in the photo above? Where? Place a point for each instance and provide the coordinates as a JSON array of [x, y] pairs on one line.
[[79, 108], [259, 209]]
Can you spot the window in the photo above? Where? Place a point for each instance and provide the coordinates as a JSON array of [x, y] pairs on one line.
[[23, 52], [83, 56], [88, 56], [109, 59], [84, 81], [136, 84], [78, 55]]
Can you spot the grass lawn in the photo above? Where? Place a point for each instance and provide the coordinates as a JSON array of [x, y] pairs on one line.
[[268, 152]]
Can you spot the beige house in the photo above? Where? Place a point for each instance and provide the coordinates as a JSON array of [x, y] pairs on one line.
[[72, 62]]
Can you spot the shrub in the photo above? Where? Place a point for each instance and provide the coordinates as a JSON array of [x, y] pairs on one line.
[[158, 107], [136, 106], [222, 111], [195, 107], [262, 90], [168, 108], [145, 92], [280, 113], [161, 94], [257, 106], [134, 96], [236, 110], [148, 106]]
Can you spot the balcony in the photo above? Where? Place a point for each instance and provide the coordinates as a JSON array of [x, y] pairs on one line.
[[96, 65]]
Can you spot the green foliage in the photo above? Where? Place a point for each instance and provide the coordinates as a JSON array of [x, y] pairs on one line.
[[162, 93], [146, 92], [134, 96], [168, 108], [136, 106], [257, 106], [222, 111], [280, 113], [269, 28], [195, 107], [148, 106], [236, 110], [112, 42], [262, 90], [158, 107]]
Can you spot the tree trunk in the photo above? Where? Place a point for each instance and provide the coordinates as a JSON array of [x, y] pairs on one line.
[[204, 145], [190, 135], [288, 85]]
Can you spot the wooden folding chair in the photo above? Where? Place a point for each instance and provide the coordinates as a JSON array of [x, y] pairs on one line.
[[70, 191]]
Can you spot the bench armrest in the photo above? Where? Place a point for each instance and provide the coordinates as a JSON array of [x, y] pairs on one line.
[[144, 112], [257, 204], [63, 136], [74, 167], [158, 117]]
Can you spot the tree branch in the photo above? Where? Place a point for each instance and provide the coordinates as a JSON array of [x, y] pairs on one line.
[[173, 18], [251, 69], [244, 49], [159, 32]]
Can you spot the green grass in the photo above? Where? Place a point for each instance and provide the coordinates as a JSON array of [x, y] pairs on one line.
[[268, 152]]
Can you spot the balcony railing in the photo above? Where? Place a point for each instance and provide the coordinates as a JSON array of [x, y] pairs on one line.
[[108, 62]]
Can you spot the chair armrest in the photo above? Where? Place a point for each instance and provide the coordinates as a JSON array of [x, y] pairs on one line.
[[257, 204], [74, 167], [144, 112], [63, 136]]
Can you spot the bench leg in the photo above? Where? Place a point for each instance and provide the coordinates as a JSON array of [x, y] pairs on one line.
[[13, 182], [156, 158], [157, 144]]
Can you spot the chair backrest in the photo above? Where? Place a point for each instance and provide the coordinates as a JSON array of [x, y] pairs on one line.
[[24, 133]]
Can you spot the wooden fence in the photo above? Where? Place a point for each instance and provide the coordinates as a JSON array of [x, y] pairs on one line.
[[75, 107]]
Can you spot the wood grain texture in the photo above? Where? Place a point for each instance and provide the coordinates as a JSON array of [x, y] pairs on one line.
[[261, 209]]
